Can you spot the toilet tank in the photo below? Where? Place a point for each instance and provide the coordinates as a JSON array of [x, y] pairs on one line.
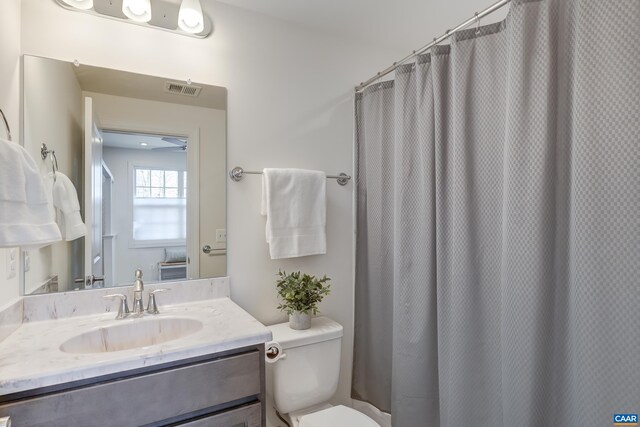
[[308, 375]]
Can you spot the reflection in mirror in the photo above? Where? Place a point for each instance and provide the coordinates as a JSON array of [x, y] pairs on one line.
[[131, 153], [147, 176]]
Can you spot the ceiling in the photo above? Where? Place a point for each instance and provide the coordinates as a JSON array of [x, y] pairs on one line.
[[132, 85], [403, 25], [136, 141]]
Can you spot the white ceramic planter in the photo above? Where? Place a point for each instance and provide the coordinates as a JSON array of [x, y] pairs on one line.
[[300, 320]]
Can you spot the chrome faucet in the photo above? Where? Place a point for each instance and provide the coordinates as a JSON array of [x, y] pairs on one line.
[[138, 308], [138, 287]]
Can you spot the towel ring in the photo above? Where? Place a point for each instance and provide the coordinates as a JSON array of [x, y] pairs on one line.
[[44, 152], [6, 124]]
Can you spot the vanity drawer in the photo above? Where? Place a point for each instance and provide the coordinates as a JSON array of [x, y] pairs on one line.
[[145, 399], [246, 416]]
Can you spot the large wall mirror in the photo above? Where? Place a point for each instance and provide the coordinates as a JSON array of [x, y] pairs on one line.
[[145, 156]]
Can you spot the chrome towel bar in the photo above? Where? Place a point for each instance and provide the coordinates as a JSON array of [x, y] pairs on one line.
[[237, 173]]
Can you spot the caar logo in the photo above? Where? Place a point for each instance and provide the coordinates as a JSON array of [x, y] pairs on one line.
[[625, 419]]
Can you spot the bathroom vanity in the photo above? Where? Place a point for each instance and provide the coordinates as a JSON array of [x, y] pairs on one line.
[[223, 389], [200, 362]]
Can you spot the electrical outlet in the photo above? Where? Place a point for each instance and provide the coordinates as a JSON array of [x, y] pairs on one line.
[[221, 235], [12, 263]]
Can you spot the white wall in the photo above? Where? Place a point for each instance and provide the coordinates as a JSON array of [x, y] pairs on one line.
[[52, 107], [290, 104], [10, 104], [128, 259]]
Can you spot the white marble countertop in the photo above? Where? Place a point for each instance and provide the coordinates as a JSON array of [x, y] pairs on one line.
[[31, 358]]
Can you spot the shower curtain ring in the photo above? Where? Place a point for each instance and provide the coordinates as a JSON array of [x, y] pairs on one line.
[[477, 23]]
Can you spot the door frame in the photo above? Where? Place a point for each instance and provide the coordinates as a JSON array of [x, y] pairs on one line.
[[193, 189]]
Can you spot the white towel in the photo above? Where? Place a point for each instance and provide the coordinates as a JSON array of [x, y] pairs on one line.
[[25, 217], [295, 203], [65, 200]]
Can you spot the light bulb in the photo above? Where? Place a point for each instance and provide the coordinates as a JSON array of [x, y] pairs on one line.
[[80, 4], [137, 10], [190, 18]]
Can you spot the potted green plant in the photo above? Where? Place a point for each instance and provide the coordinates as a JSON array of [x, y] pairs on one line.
[[300, 295]]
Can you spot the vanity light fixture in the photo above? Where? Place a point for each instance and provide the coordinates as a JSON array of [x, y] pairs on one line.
[[184, 17], [190, 18], [137, 10], [80, 4], [144, 144]]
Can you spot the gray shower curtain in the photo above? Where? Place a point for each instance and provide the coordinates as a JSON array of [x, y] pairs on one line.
[[498, 224]]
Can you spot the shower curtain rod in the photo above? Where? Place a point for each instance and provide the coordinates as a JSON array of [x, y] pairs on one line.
[[476, 17]]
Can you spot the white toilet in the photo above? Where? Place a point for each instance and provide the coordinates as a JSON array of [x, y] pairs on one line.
[[305, 376]]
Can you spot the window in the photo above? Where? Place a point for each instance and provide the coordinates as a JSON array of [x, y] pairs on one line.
[[159, 207], [160, 184]]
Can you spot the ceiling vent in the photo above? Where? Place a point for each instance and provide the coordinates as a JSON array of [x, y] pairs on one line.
[[182, 89]]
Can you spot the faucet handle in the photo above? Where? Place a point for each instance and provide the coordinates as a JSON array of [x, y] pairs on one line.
[[138, 274], [123, 308], [111, 296], [152, 306]]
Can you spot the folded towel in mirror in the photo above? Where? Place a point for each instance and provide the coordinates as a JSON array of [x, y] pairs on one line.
[[65, 200], [175, 255]]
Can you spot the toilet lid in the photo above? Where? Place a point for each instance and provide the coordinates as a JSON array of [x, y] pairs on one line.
[[337, 416]]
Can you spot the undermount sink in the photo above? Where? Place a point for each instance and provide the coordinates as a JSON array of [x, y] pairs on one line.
[[131, 333]]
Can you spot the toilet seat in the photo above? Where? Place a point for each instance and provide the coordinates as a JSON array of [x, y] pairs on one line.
[[337, 416]]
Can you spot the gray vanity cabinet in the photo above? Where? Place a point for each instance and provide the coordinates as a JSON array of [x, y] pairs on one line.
[[219, 390], [239, 417]]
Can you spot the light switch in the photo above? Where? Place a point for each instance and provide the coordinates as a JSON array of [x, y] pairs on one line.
[[27, 261], [221, 235], [12, 263]]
